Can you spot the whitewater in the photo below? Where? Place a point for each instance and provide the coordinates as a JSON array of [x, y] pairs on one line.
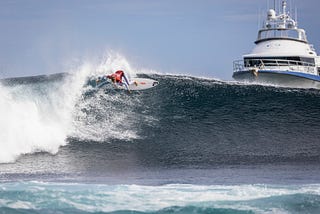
[[40, 116], [84, 198], [189, 145]]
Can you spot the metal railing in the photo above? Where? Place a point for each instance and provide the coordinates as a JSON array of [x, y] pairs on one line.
[[274, 64]]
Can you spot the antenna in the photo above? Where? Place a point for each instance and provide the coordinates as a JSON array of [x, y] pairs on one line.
[[290, 8], [296, 16], [259, 19], [284, 6]]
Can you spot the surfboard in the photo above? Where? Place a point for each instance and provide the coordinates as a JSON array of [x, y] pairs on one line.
[[140, 84]]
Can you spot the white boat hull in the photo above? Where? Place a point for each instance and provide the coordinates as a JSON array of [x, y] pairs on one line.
[[279, 78]]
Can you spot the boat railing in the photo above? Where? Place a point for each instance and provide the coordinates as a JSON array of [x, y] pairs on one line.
[[274, 64], [238, 66]]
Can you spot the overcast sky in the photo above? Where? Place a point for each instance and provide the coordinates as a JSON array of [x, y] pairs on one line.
[[195, 37]]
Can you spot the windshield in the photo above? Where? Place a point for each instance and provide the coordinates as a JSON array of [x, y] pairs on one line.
[[296, 34]]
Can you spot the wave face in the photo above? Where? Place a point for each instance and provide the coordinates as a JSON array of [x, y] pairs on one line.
[[217, 119], [212, 122], [35, 197]]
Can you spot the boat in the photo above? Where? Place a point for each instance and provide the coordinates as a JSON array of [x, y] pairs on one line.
[[282, 55]]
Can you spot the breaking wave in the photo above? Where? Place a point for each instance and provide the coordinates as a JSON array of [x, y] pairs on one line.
[[42, 113], [39, 113]]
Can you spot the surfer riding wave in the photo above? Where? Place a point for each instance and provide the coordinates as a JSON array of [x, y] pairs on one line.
[[119, 78], [121, 81]]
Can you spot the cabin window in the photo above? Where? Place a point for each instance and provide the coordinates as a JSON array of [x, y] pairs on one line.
[[279, 61], [308, 60], [281, 33], [318, 71]]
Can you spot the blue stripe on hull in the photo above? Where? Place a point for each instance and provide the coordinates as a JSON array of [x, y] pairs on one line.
[[293, 73], [278, 77]]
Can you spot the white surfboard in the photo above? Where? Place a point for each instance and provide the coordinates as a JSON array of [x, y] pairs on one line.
[[140, 84]]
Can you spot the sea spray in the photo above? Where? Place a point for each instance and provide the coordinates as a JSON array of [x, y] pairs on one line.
[[25, 128], [107, 114], [37, 117], [112, 62]]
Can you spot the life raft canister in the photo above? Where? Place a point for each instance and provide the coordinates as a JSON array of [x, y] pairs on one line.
[[255, 72]]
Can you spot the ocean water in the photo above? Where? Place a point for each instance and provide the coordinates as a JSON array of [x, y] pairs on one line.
[[189, 145]]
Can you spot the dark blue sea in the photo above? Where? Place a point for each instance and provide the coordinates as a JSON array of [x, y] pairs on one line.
[[189, 145]]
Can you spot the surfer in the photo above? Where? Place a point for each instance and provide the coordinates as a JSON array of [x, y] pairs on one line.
[[120, 78], [121, 81]]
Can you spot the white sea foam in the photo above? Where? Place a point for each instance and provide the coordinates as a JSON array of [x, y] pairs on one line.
[[24, 125], [113, 62], [40, 116], [102, 116], [106, 198], [37, 117]]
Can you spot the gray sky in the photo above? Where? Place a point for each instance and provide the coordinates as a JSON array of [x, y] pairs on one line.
[[195, 37]]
